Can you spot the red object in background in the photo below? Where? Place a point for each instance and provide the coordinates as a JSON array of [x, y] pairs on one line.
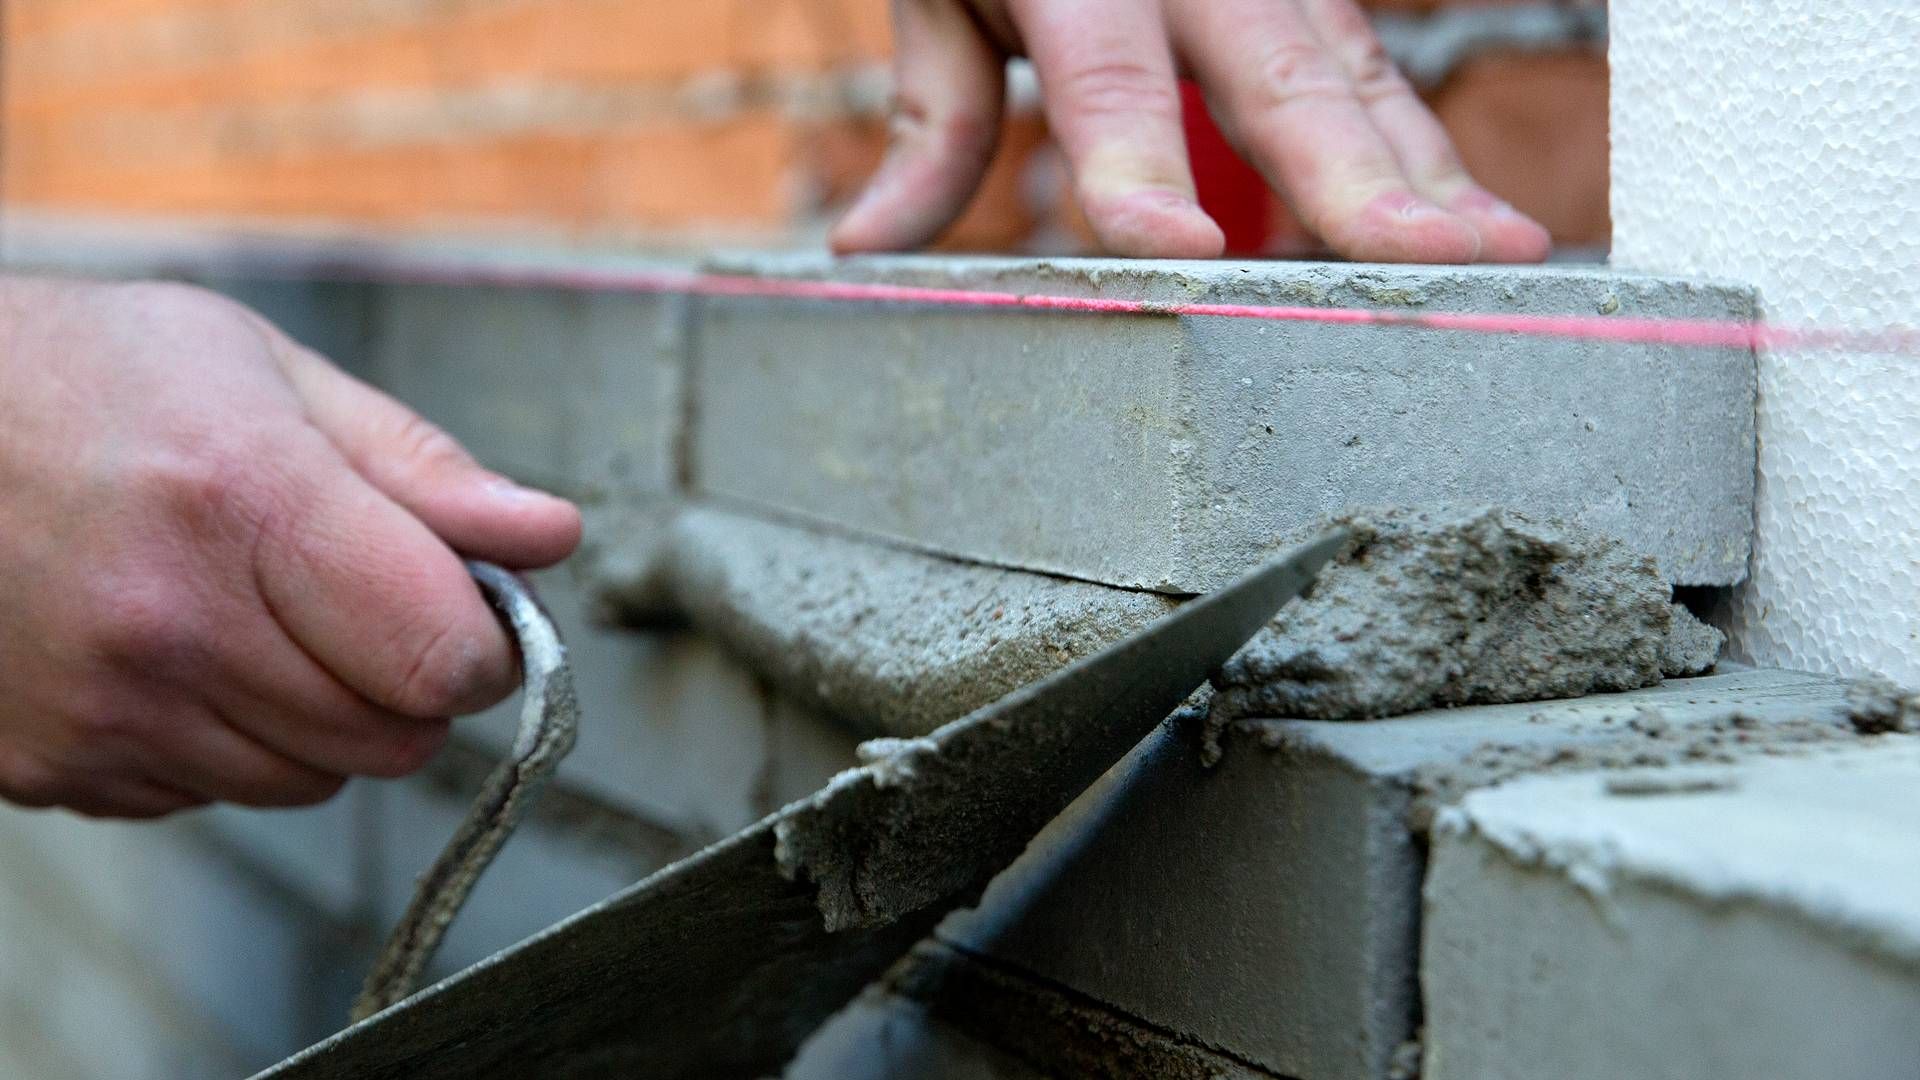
[[1230, 190]]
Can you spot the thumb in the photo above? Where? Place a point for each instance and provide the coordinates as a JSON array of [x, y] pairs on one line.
[[373, 596], [477, 512]]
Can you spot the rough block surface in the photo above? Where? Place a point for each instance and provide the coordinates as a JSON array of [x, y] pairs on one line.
[[157, 956], [1269, 908], [1168, 453], [894, 642], [577, 391], [1714, 922]]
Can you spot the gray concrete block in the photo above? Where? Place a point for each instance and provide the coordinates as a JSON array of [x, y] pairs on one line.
[[1714, 922], [577, 391], [334, 318], [1270, 908], [944, 1015], [804, 752], [206, 960], [69, 1013], [884, 1036], [314, 851], [1053, 1029], [1168, 453]]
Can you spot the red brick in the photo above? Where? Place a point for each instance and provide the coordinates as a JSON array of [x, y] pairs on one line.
[[1533, 129], [735, 175], [252, 57]]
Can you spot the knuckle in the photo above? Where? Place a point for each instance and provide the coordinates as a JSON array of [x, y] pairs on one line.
[[1373, 73], [213, 490], [154, 295], [149, 626], [212, 477], [186, 307], [426, 445], [1290, 71], [964, 133], [1121, 88]]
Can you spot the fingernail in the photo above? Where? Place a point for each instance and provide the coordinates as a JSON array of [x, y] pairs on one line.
[[1406, 205], [1154, 223]]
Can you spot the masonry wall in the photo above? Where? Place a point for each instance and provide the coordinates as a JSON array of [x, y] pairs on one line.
[[214, 944], [1796, 169]]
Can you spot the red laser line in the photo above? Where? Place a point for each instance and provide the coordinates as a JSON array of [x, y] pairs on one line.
[[1687, 333]]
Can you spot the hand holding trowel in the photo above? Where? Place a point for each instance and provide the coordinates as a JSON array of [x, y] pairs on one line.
[[721, 964]]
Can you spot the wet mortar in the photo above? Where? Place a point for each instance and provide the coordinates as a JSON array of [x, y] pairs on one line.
[[1433, 608]]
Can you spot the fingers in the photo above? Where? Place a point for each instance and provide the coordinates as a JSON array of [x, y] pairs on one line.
[[477, 512], [1425, 153], [129, 797], [29, 781], [209, 759], [949, 85], [1113, 103], [1293, 110], [377, 600]]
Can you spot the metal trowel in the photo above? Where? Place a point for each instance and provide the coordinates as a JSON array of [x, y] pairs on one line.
[[723, 963]]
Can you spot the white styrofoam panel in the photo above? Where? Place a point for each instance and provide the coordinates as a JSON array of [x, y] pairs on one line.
[[1779, 144]]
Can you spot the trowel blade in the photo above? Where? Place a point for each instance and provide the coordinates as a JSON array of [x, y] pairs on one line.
[[721, 964]]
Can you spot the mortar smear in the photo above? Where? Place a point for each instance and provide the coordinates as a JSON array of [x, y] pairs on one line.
[[1691, 647], [1877, 706], [891, 642], [1433, 608]]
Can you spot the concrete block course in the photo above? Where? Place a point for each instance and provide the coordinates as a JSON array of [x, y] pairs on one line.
[[1167, 453], [162, 950], [314, 851], [576, 391], [1288, 938], [891, 641], [884, 1036], [1713, 922]]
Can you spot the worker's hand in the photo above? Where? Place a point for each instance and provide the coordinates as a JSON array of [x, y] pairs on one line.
[[227, 569], [1300, 87]]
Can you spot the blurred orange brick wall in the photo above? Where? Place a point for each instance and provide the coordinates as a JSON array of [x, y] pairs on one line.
[[627, 121]]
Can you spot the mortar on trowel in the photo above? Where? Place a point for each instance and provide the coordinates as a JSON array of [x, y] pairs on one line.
[[721, 964]]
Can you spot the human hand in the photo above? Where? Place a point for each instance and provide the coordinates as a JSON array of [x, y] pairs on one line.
[[1301, 88], [227, 569]]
